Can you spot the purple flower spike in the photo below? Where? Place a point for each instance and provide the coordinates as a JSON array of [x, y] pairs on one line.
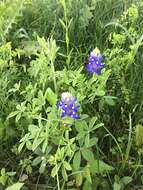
[[68, 106], [95, 64]]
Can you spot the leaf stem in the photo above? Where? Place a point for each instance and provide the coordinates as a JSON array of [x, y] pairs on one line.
[[54, 76]]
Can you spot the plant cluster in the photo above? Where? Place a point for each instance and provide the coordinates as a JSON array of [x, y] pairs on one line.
[[71, 94]]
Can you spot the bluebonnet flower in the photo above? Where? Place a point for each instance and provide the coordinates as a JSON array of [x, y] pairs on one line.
[[68, 106], [95, 64]]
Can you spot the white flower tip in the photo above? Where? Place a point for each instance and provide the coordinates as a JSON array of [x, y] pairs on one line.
[[65, 95], [95, 52]]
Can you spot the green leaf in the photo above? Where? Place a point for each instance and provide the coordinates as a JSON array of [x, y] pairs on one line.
[[110, 100], [77, 160], [139, 134], [21, 146], [68, 120], [36, 161], [87, 140], [126, 180], [79, 179], [80, 135], [2, 129], [55, 171], [16, 186], [42, 167], [97, 126], [98, 166], [81, 126], [67, 165], [3, 179], [87, 185], [92, 122], [87, 154], [61, 153], [45, 144], [142, 179], [116, 186], [87, 174], [3, 172], [100, 92], [11, 173], [51, 97], [64, 174], [12, 114], [62, 22], [18, 116], [36, 143], [93, 141]]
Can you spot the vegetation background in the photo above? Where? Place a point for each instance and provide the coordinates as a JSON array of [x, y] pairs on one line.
[[44, 46]]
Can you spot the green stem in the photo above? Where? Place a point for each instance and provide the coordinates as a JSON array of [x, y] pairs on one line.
[[129, 143], [115, 141], [129, 138], [138, 166], [58, 183], [54, 76]]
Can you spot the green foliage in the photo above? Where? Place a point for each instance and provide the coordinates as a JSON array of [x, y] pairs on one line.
[[9, 11], [120, 184], [43, 45], [139, 137], [6, 177], [16, 186]]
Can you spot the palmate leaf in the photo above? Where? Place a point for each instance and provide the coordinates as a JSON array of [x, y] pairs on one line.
[[98, 166], [87, 155]]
